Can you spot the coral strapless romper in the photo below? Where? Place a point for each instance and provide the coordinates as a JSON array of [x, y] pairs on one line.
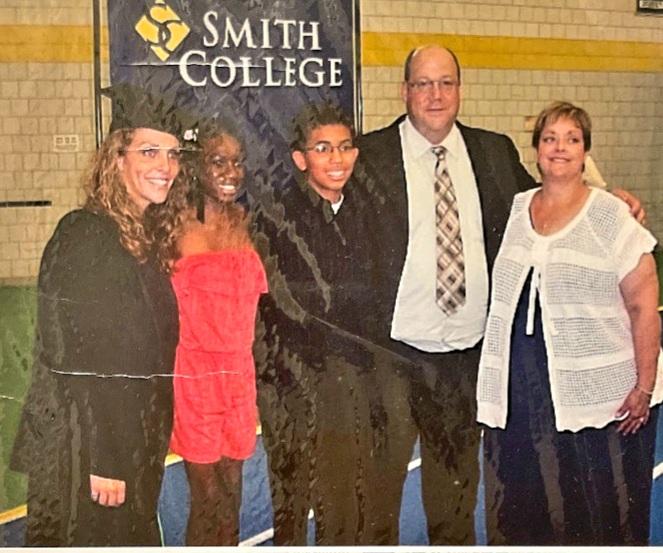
[[214, 385]]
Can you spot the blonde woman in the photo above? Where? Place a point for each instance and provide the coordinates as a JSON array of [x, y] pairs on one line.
[[96, 423]]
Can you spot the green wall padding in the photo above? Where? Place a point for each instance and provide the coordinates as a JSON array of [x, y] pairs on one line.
[[18, 307]]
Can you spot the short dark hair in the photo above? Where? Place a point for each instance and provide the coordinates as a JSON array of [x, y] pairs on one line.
[[408, 61], [566, 110], [314, 116]]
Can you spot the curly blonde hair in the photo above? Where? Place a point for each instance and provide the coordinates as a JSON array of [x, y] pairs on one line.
[[151, 233]]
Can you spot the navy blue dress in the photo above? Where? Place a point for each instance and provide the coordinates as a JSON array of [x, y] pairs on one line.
[[545, 487]]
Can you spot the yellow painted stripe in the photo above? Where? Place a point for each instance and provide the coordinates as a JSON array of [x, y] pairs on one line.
[[172, 458], [13, 514], [73, 43], [390, 49], [48, 43]]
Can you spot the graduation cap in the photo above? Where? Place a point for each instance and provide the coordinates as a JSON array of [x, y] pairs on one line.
[[137, 107]]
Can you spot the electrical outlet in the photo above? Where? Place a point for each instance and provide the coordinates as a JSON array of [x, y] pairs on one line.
[[65, 143]]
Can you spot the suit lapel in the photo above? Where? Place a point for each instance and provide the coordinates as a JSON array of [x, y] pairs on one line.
[[494, 206], [382, 176], [396, 184]]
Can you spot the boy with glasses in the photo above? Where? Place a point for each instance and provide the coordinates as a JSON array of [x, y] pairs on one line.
[[318, 397]]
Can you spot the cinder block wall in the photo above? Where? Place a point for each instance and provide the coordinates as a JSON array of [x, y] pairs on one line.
[[46, 91], [517, 54]]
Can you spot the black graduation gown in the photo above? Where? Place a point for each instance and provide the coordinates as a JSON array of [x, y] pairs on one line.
[[100, 400]]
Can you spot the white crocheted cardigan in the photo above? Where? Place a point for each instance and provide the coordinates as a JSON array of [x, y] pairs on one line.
[[587, 330]]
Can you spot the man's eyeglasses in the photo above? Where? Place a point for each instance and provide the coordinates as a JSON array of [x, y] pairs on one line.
[[327, 148], [427, 86]]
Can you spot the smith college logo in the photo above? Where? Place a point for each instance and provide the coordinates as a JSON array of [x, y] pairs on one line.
[[281, 52], [162, 29]]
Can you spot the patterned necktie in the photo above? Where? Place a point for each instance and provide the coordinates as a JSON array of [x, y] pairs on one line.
[[450, 280]]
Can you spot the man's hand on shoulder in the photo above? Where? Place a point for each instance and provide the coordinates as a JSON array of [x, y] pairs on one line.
[[634, 204]]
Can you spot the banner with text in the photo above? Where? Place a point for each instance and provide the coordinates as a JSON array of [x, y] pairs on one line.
[[251, 64]]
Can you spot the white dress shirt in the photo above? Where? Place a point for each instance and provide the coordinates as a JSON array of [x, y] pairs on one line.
[[418, 321], [336, 206]]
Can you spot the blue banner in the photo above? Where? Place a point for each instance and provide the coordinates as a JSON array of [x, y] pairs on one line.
[[251, 63]]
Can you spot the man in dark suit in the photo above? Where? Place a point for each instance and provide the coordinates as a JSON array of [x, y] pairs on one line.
[[433, 258], [437, 350]]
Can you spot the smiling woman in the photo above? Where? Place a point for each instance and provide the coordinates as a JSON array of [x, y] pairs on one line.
[[149, 166], [223, 165], [218, 279], [570, 372], [96, 422]]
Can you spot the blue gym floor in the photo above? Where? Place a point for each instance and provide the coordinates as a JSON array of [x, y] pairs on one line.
[[256, 516]]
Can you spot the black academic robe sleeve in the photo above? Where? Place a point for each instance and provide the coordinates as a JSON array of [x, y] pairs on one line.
[[95, 340], [90, 296]]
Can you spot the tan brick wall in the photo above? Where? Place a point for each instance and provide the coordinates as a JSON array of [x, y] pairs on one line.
[[41, 100], [37, 102], [573, 19], [625, 106], [46, 12]]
